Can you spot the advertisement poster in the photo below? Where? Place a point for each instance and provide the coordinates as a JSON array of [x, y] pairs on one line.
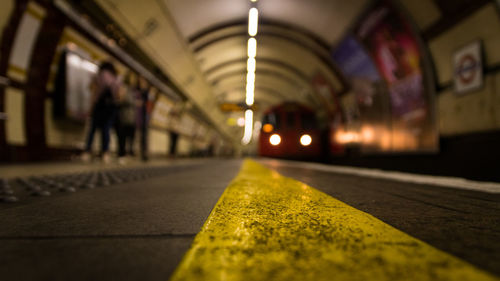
[[186, 125], [395, 51], [79, 75], [371, 98], [161, 115]]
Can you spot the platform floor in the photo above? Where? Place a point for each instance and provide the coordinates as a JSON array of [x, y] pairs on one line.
[[141, 229]]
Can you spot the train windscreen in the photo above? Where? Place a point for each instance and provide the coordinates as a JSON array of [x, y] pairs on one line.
[[308, 121], [273, 119], [290, 120]]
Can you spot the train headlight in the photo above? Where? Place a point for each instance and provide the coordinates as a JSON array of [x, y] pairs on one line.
[[275, 139], [305, 140]]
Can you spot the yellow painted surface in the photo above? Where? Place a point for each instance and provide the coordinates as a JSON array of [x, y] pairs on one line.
[[5, 11], [483, 24], [269, 227], [17, 73], [423, 12], [36, 10], [14, 126], [472, 112]]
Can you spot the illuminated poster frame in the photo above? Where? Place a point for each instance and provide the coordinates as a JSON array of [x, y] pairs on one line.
[[402, 60], [72, 94], [373, 134]]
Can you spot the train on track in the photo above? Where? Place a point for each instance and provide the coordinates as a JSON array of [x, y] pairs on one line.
[[290, 130]]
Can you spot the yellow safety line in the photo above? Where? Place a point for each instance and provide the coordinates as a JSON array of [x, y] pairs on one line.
[[269, 227]]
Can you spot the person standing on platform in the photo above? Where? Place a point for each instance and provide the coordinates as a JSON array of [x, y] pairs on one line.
[[145, 105], [104, 89], [127, 120]]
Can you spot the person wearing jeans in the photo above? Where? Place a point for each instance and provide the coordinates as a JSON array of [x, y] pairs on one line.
[[104, 90], [145, 105], [125, 122]]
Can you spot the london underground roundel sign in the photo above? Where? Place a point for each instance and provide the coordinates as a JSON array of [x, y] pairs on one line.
[[468, 68]]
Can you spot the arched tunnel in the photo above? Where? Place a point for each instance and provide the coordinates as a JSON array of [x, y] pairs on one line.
[[249, 140]]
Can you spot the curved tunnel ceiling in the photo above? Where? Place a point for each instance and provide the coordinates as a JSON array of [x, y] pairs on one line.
[[288, 56], [202, 45], [327, 19]]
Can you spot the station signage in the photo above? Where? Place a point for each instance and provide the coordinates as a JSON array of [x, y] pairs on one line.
[[468, 68], [236, 107]]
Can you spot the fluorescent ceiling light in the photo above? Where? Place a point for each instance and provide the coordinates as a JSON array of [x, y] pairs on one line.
[[76, 60], [250, 94], [249, 97], [247, 136], [251, 78], [253, 18], [252, 48], [250, 87], [251, 65], [91, 67]]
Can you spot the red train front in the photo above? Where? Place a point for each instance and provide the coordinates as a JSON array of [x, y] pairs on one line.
[[290, 131]]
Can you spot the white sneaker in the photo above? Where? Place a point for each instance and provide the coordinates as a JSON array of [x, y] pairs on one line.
[[85, 157], [122, 160], [106, 158]]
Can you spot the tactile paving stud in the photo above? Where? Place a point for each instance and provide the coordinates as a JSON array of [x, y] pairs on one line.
[[105, 183], [41, 193], [33, 187], [87, 186], [22, 181], [6, 191], [67, 189], [8, 199], [52, 183]]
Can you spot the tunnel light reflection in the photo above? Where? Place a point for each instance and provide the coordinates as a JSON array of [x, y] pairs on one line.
[[347, 137], [253, 18], [367, 134], [247, 136], [252, 48]]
